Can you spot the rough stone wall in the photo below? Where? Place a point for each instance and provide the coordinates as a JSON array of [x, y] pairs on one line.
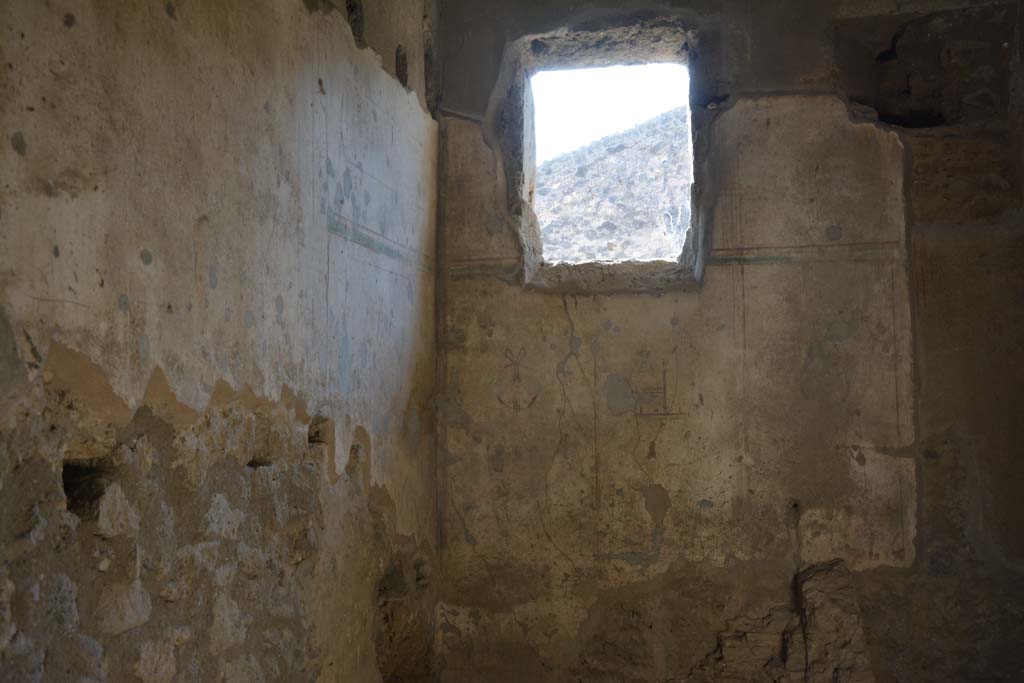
[[216, 342], [633, 485]]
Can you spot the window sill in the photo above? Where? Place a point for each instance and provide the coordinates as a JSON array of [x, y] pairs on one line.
[[624, 277]]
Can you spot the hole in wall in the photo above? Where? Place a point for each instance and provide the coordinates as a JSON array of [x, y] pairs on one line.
[[84, 482], [402, 66], [320, 431], [915, 118], [614, 162]]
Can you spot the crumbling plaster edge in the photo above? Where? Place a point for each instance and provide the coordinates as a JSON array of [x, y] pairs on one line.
[[362, 45], [61, 367]]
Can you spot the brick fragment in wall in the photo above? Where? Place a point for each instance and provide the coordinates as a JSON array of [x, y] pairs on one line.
[[116, 514], [123, 606], [157, 662]]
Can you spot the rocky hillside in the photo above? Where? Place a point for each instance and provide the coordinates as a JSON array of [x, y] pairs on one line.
[[623, 197]]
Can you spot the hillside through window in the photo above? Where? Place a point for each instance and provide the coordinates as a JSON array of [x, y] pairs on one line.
[[614, 162]]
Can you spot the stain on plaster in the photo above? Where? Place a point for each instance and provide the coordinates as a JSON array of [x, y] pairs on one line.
[[18, 143], [12, 370], [619, 396], [656, 502]]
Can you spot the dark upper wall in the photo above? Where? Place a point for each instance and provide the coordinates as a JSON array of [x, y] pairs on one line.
[[774, 47]]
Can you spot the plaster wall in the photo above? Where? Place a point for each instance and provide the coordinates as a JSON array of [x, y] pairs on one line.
[[596, 442], [217, 296]]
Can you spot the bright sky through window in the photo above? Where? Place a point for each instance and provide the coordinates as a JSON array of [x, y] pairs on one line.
[[614, 163], [575, 107]]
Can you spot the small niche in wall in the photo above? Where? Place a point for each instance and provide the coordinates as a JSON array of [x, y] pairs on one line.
[[84, 482]]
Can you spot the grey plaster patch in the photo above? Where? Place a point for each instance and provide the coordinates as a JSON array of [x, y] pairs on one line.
[[123, 607], [116, 514], [619, 395], [250, 319], [122, 303], [63, 603], [213, 278], [229, 625], [146, 256], [223, 520]]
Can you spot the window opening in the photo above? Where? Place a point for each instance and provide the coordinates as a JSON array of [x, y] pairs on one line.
[[614, 162]]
